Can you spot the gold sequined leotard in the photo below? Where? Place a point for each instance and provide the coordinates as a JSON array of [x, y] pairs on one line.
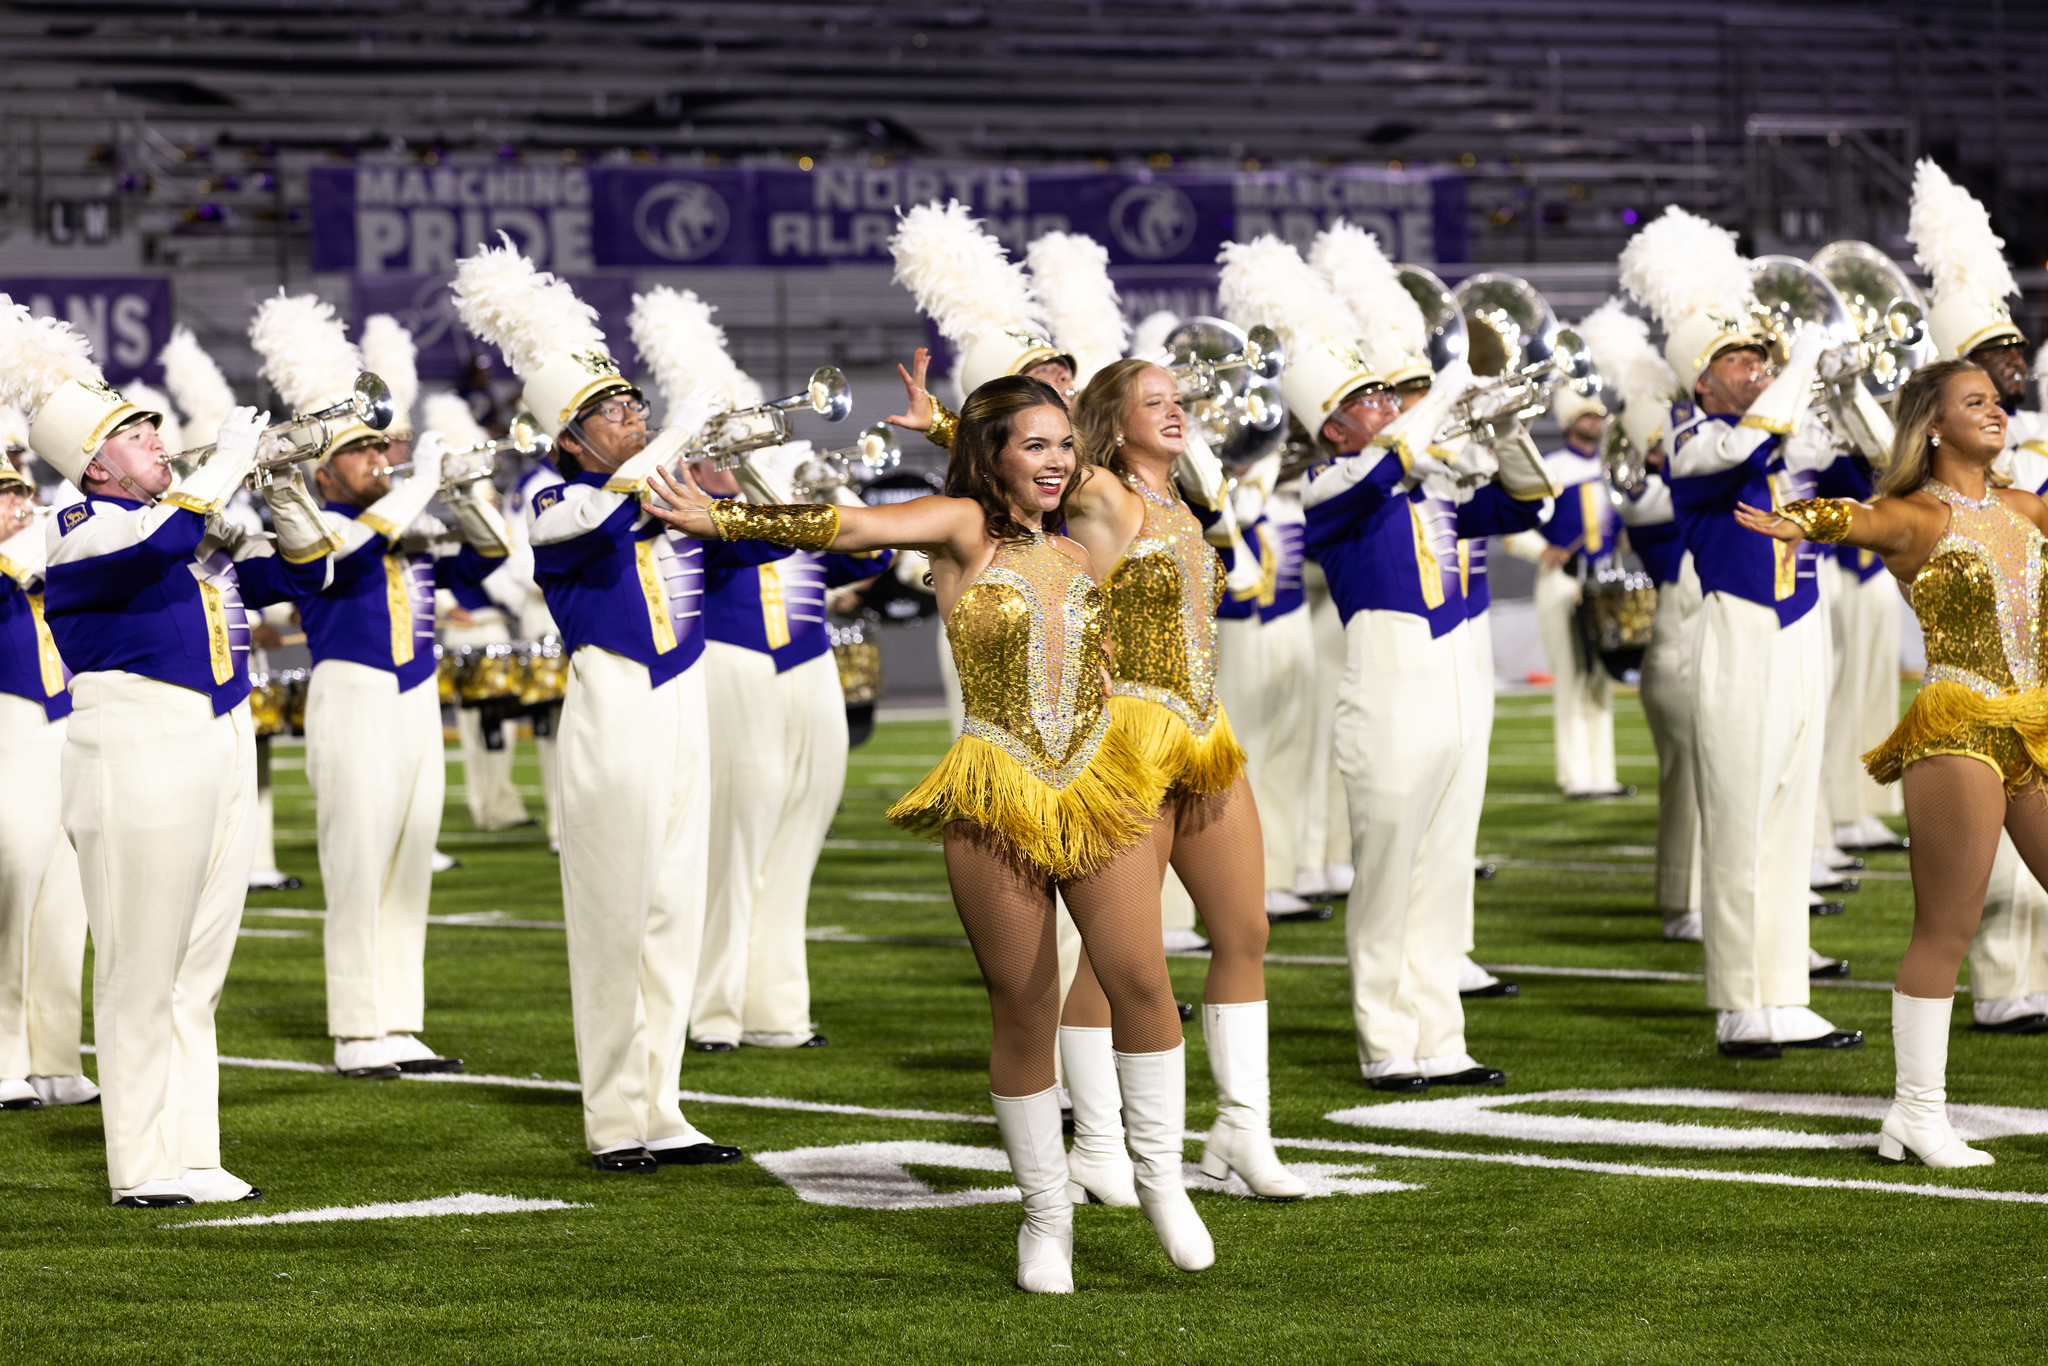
[[1039, 762], [1162, 606], [1978, 598]]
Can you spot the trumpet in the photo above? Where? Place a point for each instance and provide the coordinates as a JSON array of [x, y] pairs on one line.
[[306, 436], [874, 453], [480, 461], [1225, 380], [731, 435], [1520, 392]]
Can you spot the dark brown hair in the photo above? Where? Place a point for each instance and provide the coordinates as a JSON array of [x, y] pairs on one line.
[[1099, 413], [1917, 408], [987, 422]]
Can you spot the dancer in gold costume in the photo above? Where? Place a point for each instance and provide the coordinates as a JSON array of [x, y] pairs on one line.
[[1041, 792], [1972, 750]]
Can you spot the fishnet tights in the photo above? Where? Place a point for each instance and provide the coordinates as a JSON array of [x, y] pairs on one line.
[[1006, 906], [1214, 844], [1954, 808]]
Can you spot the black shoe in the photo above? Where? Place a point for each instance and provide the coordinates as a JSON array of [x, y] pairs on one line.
[[1828, 908], [420, 1065], [2018, 1024], [386, 1072], [1495, 989], [1484, 871], [155, 1202], [1400, 1086], [1755, 1050], [25, 1103], [287, 884], [1067, 1121], [1187, 1012], [1605, 794], [696, 1155], [1839, 967], [1837, 1039], [1473, 1076], [1893, 845], [1837, 884], [1290, 917], [816, 1041], [625, 1160], [712, 1046]]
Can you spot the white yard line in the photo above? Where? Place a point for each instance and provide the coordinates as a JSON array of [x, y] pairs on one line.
[[466, 1204]]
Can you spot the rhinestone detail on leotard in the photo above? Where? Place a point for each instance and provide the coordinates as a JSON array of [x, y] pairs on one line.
[[1163, 597]]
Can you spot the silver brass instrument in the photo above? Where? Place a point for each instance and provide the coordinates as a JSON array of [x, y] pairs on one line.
[[1521, 355], [1226, 380], [1627, 469], [1792, 295], [307, 435], [730, 435], [1440, 313], [874, 453], [1886, 308], [471, 463]]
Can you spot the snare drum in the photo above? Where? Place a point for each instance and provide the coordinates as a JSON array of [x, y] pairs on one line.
[[484, 674], [268, 699]]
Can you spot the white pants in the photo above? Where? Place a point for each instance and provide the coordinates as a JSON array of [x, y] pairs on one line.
[[1482, 697], [373, 757], [2009, 956], [1411, 746], [158, 794], [1864, 705], [494, 803], [263, 844], [1759, 706], [1325, 823], [1582, 695], [635, 786], [1265, 676], [42, 911], [1667, 706], [778, 767]]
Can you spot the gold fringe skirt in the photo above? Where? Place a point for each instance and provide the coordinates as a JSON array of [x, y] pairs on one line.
[[1190, 766], [1068, 831], [2010, 733]]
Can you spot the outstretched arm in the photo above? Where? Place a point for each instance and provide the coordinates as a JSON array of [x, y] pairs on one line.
[[1888, 526], [933, 525]]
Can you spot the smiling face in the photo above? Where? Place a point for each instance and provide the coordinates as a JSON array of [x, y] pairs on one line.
[[131, 463], [1971, 425], [1036, 464], [1152, 422]]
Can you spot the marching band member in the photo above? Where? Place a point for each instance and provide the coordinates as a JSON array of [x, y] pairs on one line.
[[635, 776], [373, 712], [1412, 709], [1952, 237], [1619, 343], [772, 690], [42, 911], [195, 382], [1759, 649], [1969, 749], [1042, 793], [144, 597]]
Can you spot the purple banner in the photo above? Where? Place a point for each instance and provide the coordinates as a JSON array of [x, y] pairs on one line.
[[651, 217], [127, 319], [423, 305], [420, 220]]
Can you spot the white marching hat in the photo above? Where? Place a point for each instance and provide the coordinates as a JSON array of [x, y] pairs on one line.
[[1952, 237], [1265, 281], [1619, 343], [46, 369], [309, 360], [967, 285], [197, 386], [1396, 335], [549, 336], [1687, 272], [1070, 278], [390, 355]]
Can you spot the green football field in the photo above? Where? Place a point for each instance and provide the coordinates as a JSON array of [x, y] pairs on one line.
[[1629, 1211]]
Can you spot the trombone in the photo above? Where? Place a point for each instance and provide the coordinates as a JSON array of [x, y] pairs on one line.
[[730, 435], [306, 436], [874, 453], [471, 463]]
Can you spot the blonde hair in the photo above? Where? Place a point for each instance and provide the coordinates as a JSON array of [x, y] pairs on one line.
[[1099, 413], [1917, 409]]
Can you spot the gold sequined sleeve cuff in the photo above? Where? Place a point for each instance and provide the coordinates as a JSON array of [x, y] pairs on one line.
[[944, 424], [1820, 519], [801, 526]]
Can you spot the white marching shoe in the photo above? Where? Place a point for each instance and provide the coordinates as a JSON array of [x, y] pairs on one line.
[[1030, 1126], [1917, 1123], [216, 1186], [1241, 1139], [73, 1090], [1155, 1087], [1098, 1164]]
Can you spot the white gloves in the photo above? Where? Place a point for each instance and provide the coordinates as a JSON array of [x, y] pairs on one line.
[[1198, 471], [1523, 475], [1777, 408], [482, 525], [631, 477], [1807, 345], [207, 489], [390, 515], [301, 527]]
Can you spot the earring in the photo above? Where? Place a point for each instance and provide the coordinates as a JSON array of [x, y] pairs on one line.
[[1934, 439], [1120, 438]]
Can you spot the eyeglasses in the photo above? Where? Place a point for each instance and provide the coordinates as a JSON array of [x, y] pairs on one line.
[[615, 409]]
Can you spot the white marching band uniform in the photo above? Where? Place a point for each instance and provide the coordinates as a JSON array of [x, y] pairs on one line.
[[1584, 525], [42, 910]]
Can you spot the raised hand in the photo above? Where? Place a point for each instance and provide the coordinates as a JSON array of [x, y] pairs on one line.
[[687, 506], [918, 413]]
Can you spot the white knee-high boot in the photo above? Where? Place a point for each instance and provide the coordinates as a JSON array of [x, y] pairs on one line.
[[1918, 1120], [1155, 1087], [1030, 1126], [1098, 1164], [1242, 1136]]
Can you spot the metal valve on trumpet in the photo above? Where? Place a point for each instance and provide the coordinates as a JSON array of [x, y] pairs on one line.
[[307, 435], [874, 453], [460, 468], [730, 435]]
